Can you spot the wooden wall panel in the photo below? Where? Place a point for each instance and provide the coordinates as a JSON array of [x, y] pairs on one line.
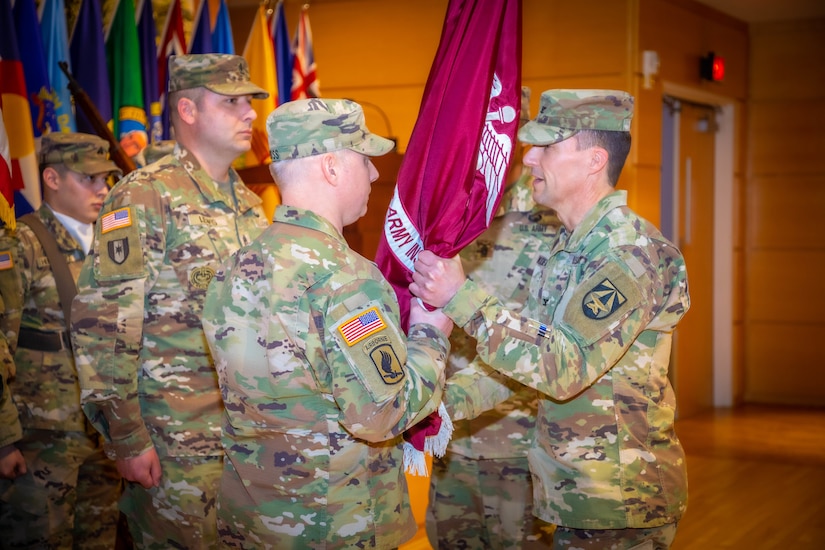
[[784, 363], [784, 286], [785, 236], [788, 60], [786, 212], [787, 136]]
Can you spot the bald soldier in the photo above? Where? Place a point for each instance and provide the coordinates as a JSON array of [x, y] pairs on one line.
[[593, 335], [149, 384], [318, 378], [65, 495]]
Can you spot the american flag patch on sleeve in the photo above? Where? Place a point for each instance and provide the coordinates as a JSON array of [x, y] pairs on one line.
[[362, 325], [6, 261], [122, 217]]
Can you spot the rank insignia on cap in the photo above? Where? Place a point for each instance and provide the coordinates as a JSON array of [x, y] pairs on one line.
[[362, 325], [116, 219], [6, 261], [603, 300]]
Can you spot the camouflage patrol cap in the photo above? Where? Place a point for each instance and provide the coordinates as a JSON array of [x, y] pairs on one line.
[[562, 113], [220, 73], [84, 153], [157, 150], [307, 127]]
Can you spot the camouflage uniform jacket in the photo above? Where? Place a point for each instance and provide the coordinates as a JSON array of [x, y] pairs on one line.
[[45, 387], [319, 384], [145, 370], [11, 298], [596, 341], [499, 261]]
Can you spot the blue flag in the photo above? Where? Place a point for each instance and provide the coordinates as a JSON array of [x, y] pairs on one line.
[[222, 39], [283, 54], [147, 35], [202, 33], [88, 59], [40, 93], [56, 46]]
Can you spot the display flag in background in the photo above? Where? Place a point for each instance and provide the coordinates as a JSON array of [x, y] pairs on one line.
[[56, 47], [260, 56], [222, 39], [123, 58], [30, 45], [202, 34], [16, 117], [147, 35], [88, 61], [283, 54], [453, 173], [173, 42], [6, 185], [304, 73]]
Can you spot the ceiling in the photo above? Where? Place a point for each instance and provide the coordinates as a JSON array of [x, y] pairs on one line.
[[759, 11]]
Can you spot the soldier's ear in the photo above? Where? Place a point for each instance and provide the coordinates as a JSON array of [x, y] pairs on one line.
[[51, 178], [186, 110]]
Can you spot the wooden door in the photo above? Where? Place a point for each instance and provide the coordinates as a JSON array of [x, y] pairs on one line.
[[692, 364]]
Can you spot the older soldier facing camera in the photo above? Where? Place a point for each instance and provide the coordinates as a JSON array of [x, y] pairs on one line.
[[149, 384], [593, 336], [318, 378], [65, 492]]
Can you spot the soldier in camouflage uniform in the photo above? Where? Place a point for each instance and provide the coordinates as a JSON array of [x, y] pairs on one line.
[[12, 463], [317, 376], [593, 334], [481, 494], [149, 384], [68, 494]]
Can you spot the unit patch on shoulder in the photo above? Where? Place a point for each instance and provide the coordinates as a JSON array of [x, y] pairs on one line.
[[385, 360], [600, 301], [603, 300], [122, 217], [119, 251], [361, 326], [6, 260]]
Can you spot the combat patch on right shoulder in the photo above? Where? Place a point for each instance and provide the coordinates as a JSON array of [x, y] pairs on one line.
[[6, 260], [120, 255]]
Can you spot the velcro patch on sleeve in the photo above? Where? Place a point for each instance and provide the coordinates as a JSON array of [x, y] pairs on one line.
[[116, 219], [361, 326], [120, 255], [6, 260], [599, 301]]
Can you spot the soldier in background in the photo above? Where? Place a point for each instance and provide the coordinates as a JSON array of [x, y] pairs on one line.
[[12, 463], [149, 383], [593, 335], [481, 493], [318, 378], [66, 494]]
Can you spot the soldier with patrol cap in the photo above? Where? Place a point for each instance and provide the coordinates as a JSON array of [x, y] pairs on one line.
[[593, 335], [318, 378], [149, 383], [66, 493]]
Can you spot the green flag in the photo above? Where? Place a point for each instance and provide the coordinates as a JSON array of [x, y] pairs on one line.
[[123, 62]]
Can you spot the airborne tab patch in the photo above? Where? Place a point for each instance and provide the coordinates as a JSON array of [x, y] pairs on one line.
[[603, 300], [362, 325]]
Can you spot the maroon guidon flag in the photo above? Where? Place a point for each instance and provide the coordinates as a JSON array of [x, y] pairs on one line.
[[455, 167], [453, 173]]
